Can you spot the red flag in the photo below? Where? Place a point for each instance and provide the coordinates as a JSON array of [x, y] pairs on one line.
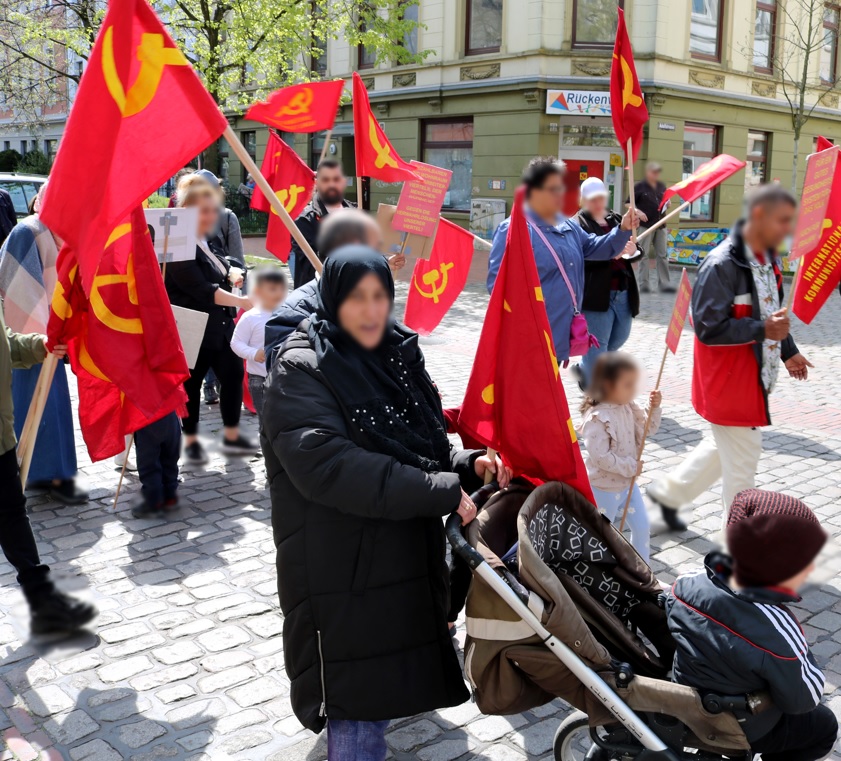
[[681, 309], [437, 282], [703, 179], [139, 116], [817, 238], [308, 107], [126, 388], [515, 402], [822, 143], [375, 156], [627, 107], [293, 182]]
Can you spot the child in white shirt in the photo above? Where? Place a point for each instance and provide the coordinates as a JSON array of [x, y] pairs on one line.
[[267, 293]]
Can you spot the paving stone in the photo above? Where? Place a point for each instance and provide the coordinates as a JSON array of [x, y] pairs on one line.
[[197, 740], [47, 700], [245, 740], [124, 669], [164, 676], [95, 750], [259, 691], [247, 718], [223, 638], [196, 713], [175, 693], [225, 660], [447, 750], [224, 679], [178, 653], [140, 733], [412, 736], [71, 727]]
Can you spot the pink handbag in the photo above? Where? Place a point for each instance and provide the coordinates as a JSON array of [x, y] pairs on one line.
[[580, 338]]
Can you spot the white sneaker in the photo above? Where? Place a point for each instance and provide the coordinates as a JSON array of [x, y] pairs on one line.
[[120, 459]]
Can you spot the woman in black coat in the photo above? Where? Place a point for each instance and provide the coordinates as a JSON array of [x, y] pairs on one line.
[[361, 473], [204, 284]]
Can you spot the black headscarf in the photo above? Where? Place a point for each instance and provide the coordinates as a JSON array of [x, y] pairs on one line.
[[387, 394]]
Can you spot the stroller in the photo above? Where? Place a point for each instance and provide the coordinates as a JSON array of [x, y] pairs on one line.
[[579, 616]]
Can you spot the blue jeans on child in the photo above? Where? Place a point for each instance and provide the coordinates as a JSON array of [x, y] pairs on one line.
[[611, 504], [611, 328], [356, 740]]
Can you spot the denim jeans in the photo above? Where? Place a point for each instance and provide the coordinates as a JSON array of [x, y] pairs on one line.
[[255, 386], [611, 328], [612, 503], [356, 740]]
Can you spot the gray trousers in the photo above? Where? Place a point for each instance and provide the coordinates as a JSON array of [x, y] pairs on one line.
[[654, 248]]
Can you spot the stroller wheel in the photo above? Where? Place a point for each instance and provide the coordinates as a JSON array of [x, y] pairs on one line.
[[573, 742]]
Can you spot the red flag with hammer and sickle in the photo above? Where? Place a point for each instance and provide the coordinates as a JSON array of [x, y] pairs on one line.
[[515, 401], [627, 107], [308, 107], [139, 116], [375, 156], [293, 182], [437, 281], [122, 340], [703, 179]]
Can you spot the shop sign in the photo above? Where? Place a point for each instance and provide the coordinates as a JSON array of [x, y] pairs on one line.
[[666, 126], [578, 102]]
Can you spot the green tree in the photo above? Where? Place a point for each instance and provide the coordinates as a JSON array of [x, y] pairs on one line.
[[35, 162], [9, 160]]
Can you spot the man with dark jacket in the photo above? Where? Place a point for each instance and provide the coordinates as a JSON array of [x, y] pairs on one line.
[[648, 195], [735, 635], [741, 334], [329, 197]]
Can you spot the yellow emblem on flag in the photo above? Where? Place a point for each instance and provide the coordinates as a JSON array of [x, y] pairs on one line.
[[431, 278], [552, 354], [488, 394], [384, 157], [288, 197], [298, 104]]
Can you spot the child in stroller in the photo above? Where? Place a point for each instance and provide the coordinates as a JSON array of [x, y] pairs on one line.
[[583, 620]]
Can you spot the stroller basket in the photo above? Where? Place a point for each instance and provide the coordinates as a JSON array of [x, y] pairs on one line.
[[542, 635]]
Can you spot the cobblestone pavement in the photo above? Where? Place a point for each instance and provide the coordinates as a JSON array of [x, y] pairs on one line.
[[185, 659]]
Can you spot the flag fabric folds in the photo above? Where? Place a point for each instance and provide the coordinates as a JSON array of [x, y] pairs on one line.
[[703, 179], [437, 281], [375, 155], [122, 340], [308, 107], [515, 401], [293, 182], [140, 115], [627, 106], [822, 143]]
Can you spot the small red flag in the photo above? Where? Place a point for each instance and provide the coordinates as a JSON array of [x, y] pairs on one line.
[[627, 106], [140, 115], [515, 401], [308, 107], [293, 182], [703, 179], [437, 282], [681, 309], [121, 390], [822, 143], [375, 155]]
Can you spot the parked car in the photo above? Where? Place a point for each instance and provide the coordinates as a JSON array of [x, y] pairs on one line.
[[22, 188]]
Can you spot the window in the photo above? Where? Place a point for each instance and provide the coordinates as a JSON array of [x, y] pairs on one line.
[[705, 29], [7, 145], [449, 144], [24, 147], [594, 23], [764, 32], [249, 140], [50, 148], [700, 144], [410, 39], [756, 172], [366, 59], [318, 46], [588, 135], [484, 27], [829, 49]]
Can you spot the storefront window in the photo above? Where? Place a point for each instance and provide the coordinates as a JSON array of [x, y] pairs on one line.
[[587, 134], [829, 49], [700, 144], [764, 30], [484, 26], [449, 144], [705, 29], [594, 23], [756, 171]]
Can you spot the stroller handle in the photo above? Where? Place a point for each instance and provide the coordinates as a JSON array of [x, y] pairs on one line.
[[459, 543]]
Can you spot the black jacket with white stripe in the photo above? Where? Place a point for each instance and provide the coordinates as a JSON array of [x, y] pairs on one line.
[[737, 642]]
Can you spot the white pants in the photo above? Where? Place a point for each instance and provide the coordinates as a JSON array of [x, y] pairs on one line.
[[732, 455]]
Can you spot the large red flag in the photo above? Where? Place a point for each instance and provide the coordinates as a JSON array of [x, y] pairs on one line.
[[515, 401], [627, 106], [140, 115], [822, 143], [375, 156], [704, 178], [437, 282], [123, 342], [293, 182], [308, 107]]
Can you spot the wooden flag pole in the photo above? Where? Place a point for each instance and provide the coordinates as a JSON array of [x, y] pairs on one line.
[[163, 269], [790, 297], [644, 437], [39, 401], [26, 431], [122, 472], [663, 220], [271, 197], [629, 157], [491, 456], [326, 145], [360, 200]]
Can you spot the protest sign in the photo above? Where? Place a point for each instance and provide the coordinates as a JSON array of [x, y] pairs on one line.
[[419, 205], [395, 241], [681, 309], [191, 325], [814, 202], [174, 233]]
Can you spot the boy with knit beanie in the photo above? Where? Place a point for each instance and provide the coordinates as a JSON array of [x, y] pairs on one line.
[[735, 635]]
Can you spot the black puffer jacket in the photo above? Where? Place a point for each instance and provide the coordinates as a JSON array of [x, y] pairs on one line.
[[360, 557]]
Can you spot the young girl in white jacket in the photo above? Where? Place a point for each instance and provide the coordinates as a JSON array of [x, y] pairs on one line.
[[611, 429]]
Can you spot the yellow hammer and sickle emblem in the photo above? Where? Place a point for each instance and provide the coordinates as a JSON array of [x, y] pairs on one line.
[[298, 104], [708, 168], [132, 325], [629, 97], [153, 56], [60, 305], [289, 197], [431, 278], [384, 157]]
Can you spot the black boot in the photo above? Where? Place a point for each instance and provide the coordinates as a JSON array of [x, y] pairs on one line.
[[672, 519], [58, 612]]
